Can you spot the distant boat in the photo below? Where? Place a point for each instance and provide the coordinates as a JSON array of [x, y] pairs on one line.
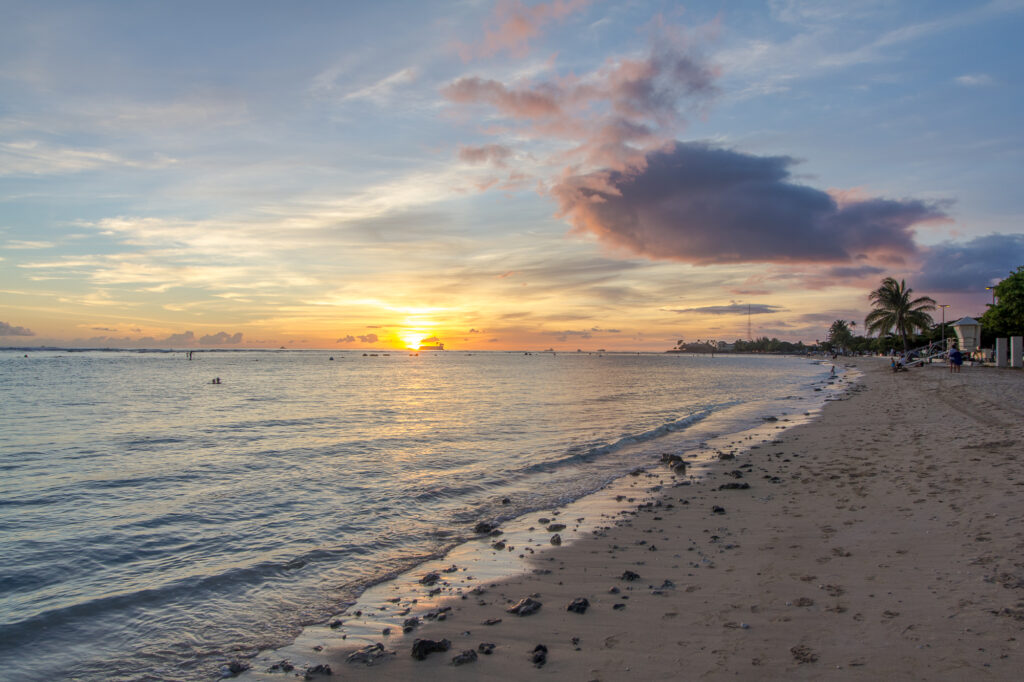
[[437, 346]]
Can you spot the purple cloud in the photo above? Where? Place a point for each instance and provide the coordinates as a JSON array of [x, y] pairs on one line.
[[696, 203], [220, 339], [970, 266], [10, 330]]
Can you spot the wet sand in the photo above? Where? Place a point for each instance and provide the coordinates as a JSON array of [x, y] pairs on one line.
[[884, 540]]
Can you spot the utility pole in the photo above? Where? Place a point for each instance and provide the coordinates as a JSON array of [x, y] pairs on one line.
[[750, 336], [944, 306]]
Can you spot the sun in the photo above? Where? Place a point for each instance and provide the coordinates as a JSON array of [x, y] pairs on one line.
[[412, 339]]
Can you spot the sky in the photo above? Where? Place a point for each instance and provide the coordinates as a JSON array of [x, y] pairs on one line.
[[499, 175]]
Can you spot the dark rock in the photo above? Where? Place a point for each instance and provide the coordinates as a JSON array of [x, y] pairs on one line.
[[679, 467], [430, 579], [492, 621], [451, 569], [284, 666], [579, 605], [803, 654], [499, 545], [543, 519], [733, 486], [410, 623], [717, 510], [368, 655], [668, 585], [318, 669], [467, 656], [630, 576], [735, 473], [618, 607], [525, 607], [555, 527], [496, 532], [336, 623], [637, 472], [670, 459], [540, 655], [556, 539], [421, 648], [486, 648], [506, 501], [770, 419], [613, 590], [386, 631], [234, 668], [484, 527]]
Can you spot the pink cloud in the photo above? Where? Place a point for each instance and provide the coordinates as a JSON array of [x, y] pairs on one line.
[[613, 114], [495, 154], [514, 24]]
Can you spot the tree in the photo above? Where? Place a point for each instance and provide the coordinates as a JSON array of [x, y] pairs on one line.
[[839, 335], [1006, 316], [894, 310]]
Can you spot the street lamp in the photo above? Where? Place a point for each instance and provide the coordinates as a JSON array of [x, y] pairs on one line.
[[993, 290], [944, 306]]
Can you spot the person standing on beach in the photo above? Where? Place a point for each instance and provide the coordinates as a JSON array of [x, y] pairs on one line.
[[956, 359]]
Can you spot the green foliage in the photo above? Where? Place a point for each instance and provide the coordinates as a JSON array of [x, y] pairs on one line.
[[1006, 317], [894, 311], [766, 345], [839, 335]]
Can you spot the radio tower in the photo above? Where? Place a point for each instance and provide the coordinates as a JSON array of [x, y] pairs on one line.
[[750, 336]]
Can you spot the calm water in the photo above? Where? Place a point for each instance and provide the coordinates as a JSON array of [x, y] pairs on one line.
[[155, 525]]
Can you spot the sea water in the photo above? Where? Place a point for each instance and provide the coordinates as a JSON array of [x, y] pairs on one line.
[[155, 525]]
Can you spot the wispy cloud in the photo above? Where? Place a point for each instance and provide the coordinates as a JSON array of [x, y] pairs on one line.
[[514, 24], [381, 91], [732, 309], [974, 80], [16, 244], [31, 157]]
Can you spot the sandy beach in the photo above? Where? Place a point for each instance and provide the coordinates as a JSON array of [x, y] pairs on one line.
[[883, 540]]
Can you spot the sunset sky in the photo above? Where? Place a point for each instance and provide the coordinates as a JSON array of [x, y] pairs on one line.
[[510, 175]]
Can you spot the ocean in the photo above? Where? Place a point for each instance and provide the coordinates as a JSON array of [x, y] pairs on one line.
[[156, 525]]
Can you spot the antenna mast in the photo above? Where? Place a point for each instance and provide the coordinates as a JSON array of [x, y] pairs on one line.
[[750, 336]]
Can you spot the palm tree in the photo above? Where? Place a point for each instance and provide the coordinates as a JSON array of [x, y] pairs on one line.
[[895, 311], [839, 335]]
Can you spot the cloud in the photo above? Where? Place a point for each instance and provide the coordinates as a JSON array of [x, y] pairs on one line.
[[31, 157], [625, 106], [970, 266], [346, 339], [564, 335], [974, 80], [513, 25], [381, 91], [732, 309], [22, 244], [430, 339], [10, 330], [696, 203], [186, 339], [495, 154], [103, 329], [855, 272], [221, 338], [368, 338]]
